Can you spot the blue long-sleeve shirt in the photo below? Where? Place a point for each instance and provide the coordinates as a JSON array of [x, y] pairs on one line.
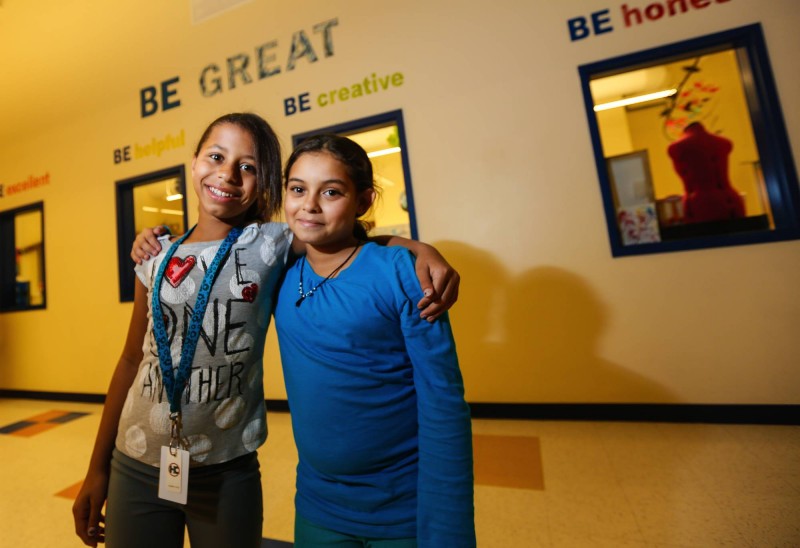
[[377, 402]]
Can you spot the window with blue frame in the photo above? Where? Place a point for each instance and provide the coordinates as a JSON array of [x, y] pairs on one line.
[[22, 274], [690, 146]]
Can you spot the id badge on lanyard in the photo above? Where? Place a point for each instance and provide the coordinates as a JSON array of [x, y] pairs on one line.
[[174, 472]]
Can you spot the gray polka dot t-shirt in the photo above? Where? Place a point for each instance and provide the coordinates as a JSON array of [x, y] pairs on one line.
[[223, 404]]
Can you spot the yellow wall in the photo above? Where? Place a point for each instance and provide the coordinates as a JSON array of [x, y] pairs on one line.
[[503, 173]]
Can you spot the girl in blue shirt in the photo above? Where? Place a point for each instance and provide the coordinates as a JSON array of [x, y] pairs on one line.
[[376, 396]]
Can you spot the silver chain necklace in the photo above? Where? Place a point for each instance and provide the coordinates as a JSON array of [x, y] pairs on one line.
[[311, 291]]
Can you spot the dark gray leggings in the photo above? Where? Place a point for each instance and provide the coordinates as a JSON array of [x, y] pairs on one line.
[[224, 506]]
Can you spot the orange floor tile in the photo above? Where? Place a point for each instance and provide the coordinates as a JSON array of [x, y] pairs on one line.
[[508, 461]]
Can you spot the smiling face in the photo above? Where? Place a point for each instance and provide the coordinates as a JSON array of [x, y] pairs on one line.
[[322, 203], [224, 175]]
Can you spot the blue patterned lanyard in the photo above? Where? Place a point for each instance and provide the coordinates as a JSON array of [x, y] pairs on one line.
[[175, 383]]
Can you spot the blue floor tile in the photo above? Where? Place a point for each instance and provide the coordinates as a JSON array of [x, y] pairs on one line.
[[8, 429], [68, 417]]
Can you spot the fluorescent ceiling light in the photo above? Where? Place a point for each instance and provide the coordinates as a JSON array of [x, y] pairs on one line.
[[164, 211], [383, 152], [173, 197], [635, 100]]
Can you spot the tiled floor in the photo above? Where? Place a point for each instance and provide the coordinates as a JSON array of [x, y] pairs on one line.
[[538, 484]]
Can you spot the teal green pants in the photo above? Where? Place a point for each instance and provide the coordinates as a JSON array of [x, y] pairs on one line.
[[224, 507], [309, 535]]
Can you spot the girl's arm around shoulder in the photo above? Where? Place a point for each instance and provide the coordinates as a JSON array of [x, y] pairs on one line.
[[439, 281], [89, 503], [148, 243]]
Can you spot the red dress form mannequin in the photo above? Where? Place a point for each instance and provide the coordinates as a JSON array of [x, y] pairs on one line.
[[701, 160]]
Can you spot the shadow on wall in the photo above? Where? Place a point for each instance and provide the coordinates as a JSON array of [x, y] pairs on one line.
[[533, 338]]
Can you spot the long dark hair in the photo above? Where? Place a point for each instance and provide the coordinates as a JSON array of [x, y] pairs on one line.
[[268, 161], [353, 157]]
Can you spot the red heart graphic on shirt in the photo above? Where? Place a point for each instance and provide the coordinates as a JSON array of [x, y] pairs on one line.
[[178, 269], [249, 292]]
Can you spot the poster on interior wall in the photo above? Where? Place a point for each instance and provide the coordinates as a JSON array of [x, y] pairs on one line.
[[638, 224]]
